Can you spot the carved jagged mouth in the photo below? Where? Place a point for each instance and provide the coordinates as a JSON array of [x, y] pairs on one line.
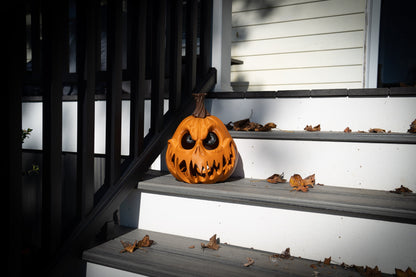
[[195, 171]]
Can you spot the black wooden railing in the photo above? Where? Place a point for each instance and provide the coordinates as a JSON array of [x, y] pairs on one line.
[[151, 36]]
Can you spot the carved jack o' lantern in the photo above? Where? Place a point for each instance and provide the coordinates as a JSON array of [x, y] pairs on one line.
[[201, 150]]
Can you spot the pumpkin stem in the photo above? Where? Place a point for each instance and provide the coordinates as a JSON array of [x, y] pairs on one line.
[[200, 110]]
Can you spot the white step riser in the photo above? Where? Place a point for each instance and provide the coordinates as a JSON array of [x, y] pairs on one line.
[[309, 235], [358, 165], [333, 114]]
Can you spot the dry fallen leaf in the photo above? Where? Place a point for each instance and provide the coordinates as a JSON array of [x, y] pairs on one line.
[[327, 261], [246, 125], [412, 127], [145, 242], [372, 272], [212, 244], [408, 273], [314, 266], [347, 130], [249, 262], [316, 128], [276, 178], [376, 130], [285, 254], [401, 189], [191, 247], [300, 184]]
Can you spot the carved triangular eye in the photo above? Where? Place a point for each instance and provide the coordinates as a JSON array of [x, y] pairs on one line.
[[211, 141], [187, 141]]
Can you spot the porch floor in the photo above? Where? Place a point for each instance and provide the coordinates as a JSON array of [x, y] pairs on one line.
[[172, 255]]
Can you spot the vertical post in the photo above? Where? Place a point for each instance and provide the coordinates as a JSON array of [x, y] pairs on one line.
[[221, 43], [136, 65], [15, 56], [176, 54], [53, 19], [206, 36], [158, 66], [86, 71], [113, 108], [191, 44]]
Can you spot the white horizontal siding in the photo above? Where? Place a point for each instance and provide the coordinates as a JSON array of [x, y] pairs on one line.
[[298, 44]]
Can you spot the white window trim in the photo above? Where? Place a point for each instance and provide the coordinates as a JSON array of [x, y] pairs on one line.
[[373, 11]]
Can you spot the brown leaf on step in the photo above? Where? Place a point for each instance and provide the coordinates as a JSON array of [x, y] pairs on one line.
[[319, 184], [276, 178], [327, 261], [408, 273], [401, 189], [300, 184], [285, 254], [266, 127], [314, 266], [191, 247], [376, 130], [347, 130], [212, 244], [412, 127], [316, 128], [145, 242], [249, 262], [246, 125], [372, 272], [128, 247]]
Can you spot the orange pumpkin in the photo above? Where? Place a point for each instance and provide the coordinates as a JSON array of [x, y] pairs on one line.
[[201, 150]]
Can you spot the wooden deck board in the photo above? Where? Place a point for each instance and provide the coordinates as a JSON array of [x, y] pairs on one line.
[[372, 204], [170, 255]]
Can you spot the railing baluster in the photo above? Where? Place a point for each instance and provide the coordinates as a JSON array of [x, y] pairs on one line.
[[176, 54], [136, 64], [15, 56], [191, 44], [35, 39], [86, 71], [206, 36], [158, 65], [114, 71], [53, 19]]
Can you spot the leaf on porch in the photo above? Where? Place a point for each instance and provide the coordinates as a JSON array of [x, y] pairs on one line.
[[284, 255], [408, 273], [401, 189], [327, 261], [412, 127], [347, 130], [212, 244], [300, 184], [316, 128], [145, 242], [276, 178], [246, 125], [249, 262], [376, 130], [372, 272]]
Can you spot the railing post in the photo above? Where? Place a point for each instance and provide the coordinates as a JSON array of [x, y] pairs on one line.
[[53, 20], [191, 44], [136, 65], [15, 56], [86, 72], [113, 108], [176, 55], [158, 65], [206, 37]]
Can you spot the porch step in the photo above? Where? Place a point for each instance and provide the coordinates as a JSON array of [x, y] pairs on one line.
[[172, 255], [371, 204]]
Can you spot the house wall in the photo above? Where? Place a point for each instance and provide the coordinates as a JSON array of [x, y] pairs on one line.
[[298, 44]]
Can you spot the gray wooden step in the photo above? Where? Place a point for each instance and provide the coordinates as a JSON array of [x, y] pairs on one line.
[[371, 204], [171, 255]]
